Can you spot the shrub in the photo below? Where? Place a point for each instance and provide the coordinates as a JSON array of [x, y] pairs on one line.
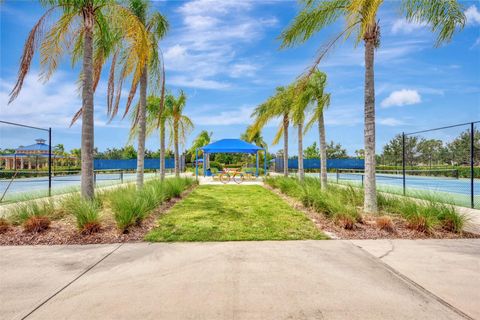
[[36, 224], [216, 165], [33, 215], [345, 220], [175, 186], [129, 208], [419, 217], [86, 212], [4, 225], [450, 219], [385, 223]]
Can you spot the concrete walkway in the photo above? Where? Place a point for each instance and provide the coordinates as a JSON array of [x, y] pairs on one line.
[[243, 280]]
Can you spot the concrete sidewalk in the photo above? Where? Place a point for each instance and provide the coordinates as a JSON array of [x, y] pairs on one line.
[[237, 280], [450, 269]]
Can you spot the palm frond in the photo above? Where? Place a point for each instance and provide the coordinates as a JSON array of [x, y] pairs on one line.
[[311, 19], [33, 39], [278, 135], [54, 45], [443, 16]]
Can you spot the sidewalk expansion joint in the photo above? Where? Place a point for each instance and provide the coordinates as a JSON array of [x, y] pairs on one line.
[[414, 284], [71, 282]]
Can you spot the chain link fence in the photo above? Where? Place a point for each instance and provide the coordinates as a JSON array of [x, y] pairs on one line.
[[442, 164]]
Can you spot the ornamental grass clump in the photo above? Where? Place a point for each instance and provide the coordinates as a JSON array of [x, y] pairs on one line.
[[86, 212], [449, 218], [129, 208], [175, 186], [34, 216], [385, 223], [419, 217], [337, 203], [4, 225]]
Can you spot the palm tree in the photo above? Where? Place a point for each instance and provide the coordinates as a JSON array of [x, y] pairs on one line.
[[203, 138], [88, 30], [314, 92], [157, 118], [156, 27], [181, 126], [442, 16], [298, 117], [279, 105], [255, 137]]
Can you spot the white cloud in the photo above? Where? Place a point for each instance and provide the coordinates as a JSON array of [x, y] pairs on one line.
[[473, 15], [401, 98], [236, 116], [390, 122], [243, 70], [404, 26], [53, 104], [209, 43], [200, 22], [193, 82], [197, 7], [41, 105]]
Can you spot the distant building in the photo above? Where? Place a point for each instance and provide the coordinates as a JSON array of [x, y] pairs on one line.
[[34, 156]]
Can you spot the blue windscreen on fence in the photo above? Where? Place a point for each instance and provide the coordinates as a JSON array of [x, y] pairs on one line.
[[315, 164], [130, 164]]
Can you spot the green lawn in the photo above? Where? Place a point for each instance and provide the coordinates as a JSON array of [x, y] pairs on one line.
[[223, 213]]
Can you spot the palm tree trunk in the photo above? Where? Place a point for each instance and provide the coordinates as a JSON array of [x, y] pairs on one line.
[[177, 156], [323, 151], [285, 144], [141, 128], [162, 150], [370, 202], [301, 173], [87, 179]]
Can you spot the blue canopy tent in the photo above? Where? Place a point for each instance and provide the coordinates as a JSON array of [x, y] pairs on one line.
[[230, 146]]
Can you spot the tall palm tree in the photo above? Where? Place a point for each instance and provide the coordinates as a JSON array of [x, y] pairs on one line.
[[156, 27], [157, 118], [88, 30], [298, 117], [181, 126], [314, 92], [442, 16], [279, 105]]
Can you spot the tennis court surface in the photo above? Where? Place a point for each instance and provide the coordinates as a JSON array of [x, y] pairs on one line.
[[31, 187], [446, 188]]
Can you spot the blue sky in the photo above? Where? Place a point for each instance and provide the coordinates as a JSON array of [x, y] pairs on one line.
[[225, 55]]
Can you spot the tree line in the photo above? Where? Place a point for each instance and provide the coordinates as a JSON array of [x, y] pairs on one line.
[[421, 151]]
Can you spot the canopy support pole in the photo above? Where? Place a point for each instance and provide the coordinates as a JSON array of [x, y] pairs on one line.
[[203, 164], [196, 163], [256, 159], [265, 162]]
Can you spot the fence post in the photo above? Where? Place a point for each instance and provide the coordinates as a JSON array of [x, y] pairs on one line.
[[472, 171], [49, 162], [403, 163], [121, 176], [337, 175]]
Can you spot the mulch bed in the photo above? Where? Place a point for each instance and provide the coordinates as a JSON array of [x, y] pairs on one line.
[[65, 231], [368, 229]]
